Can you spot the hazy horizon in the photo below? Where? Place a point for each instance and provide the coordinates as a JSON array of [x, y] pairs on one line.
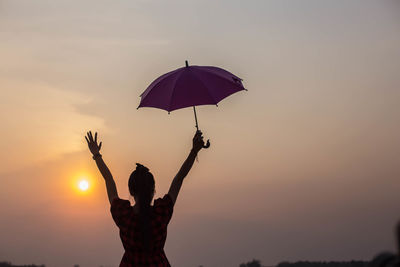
[[305, 165]]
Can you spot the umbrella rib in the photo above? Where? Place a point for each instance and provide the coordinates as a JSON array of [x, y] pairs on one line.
[[224, 78], [160, 79], [208, 91], [173, 90]]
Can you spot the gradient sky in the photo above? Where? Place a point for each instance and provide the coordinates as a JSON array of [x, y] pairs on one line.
[[303, 166]]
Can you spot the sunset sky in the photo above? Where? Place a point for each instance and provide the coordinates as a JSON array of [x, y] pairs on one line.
[[305, 165]]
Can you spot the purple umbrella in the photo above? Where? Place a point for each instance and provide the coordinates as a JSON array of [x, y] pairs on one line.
[[190, 86]]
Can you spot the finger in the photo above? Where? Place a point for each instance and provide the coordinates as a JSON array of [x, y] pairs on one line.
[[91, 136], [100, 145], [95, 137], [87, 140], [88, 134]]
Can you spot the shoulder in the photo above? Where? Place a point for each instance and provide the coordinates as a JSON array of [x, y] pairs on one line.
[[120, 211], [164, 205], [119, 204], [166, 200]]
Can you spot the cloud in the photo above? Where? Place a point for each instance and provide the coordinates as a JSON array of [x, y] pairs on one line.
[[40, 122]]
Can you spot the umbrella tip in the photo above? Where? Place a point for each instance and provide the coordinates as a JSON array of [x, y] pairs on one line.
[[187, 64]]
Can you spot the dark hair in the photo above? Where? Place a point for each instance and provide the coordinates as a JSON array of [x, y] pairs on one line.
[[141, 186]]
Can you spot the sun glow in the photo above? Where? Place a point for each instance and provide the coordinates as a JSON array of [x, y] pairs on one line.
[[83, 185]]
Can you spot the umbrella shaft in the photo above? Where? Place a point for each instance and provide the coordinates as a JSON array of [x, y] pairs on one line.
[[195, 117]]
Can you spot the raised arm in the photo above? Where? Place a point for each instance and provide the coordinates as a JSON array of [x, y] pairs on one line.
[[108, 178], [198, 144]]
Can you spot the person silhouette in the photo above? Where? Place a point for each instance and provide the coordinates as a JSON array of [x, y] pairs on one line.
[[143, 227]]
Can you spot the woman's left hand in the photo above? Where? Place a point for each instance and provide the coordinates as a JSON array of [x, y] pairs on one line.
[[92, 143], [198, 142]]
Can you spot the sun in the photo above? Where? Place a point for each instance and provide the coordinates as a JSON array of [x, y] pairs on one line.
[[83, 185]]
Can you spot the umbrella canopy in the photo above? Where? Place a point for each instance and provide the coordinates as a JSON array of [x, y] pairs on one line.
[[190, 86]]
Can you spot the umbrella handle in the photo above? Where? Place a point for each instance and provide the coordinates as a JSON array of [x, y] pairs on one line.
[[207, 145]]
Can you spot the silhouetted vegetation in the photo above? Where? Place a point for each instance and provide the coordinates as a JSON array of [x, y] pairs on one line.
[[324, 264], [257, 263], [384, 259], [253, 263], [8, 264]]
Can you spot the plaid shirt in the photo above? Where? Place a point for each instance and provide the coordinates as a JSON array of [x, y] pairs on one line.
[[129, 226]]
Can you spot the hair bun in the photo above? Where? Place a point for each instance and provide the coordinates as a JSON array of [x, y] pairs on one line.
[[141, 168]]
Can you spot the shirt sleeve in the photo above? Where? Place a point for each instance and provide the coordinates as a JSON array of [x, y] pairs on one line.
[[164, 207], [120, 210]]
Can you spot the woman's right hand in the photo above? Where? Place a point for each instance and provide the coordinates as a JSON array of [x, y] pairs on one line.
[[92, 143]]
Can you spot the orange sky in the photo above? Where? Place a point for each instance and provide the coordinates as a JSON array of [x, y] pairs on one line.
[[304, 165]]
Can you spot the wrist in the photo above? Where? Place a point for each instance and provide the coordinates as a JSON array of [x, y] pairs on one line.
[[194, 151]]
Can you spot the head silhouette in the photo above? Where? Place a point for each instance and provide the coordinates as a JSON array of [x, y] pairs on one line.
[[141, 187]]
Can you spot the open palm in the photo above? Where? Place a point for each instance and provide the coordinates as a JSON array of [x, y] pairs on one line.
[[92, 143]]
